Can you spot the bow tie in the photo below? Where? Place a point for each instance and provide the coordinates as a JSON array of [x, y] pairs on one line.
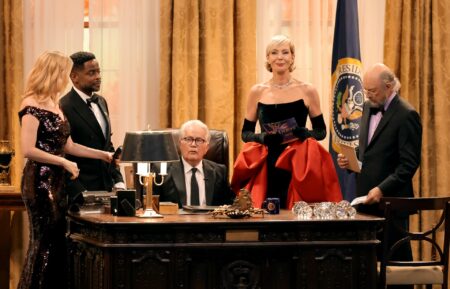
[[92, 99], [375, 110]]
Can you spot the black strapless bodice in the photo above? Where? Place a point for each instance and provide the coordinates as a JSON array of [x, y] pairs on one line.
[[278, 180], [268, 113]]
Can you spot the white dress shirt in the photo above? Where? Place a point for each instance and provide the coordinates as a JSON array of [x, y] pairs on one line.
[[376, 118], [101, 121], [200, 180], [95, 109]]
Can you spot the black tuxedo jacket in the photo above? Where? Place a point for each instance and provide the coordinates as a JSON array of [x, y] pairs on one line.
[[390, 160], [218, 191], [392, 157], [95, 175]]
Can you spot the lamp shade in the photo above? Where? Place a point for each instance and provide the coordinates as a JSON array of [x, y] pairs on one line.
[[149, 146]]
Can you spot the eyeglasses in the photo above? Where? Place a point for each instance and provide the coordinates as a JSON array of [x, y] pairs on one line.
[[190, 140], [370, 92]]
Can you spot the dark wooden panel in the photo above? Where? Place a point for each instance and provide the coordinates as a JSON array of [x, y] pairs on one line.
[[9, 201], [5, 245]]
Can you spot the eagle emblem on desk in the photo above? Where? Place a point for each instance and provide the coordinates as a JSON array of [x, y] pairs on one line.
[[242, 207]]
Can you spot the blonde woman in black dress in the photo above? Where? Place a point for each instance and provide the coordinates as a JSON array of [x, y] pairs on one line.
[[45, 139], [282, 100]]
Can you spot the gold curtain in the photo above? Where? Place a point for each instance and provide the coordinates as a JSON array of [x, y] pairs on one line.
[[208, 63], [417, 47], [11, 75], [11, 89]]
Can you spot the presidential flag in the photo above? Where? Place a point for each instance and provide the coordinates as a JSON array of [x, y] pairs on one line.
[[347, 92]]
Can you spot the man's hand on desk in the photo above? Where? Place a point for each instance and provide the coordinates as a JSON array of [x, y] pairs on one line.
[[120, 185], [374, 196]]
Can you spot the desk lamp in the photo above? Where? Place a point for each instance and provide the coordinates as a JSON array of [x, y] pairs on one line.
[[144, 148]]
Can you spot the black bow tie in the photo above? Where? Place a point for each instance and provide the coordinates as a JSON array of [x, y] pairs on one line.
[[375, 110], [92, 99]]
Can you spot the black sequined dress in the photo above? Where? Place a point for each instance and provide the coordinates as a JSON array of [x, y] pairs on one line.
[[278, 180], [42, 193]]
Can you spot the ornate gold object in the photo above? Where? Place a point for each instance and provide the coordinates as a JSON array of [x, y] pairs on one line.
[[6, 154], [242, 207], [150, 207]]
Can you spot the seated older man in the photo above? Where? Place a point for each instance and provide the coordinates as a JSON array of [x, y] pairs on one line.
[[194, 180]]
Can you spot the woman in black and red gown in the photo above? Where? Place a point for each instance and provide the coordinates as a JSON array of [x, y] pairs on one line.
[[281, 105]]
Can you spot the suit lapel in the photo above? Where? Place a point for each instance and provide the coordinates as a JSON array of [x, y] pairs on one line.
[[209, 181], [104, 111], [85, 113], [386, 118], [363, 135], [177, 172]]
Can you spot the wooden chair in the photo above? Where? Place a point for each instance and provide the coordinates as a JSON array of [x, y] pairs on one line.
[[429, 271]]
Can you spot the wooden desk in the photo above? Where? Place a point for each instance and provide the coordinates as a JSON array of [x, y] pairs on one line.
[[9, 201], [197, 251]]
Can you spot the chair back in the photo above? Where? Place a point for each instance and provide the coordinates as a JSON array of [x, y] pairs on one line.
[[433, 270], [217, 152], [218, 145]]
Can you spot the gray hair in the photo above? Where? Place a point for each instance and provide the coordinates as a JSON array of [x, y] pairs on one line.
[[197, 123], [388, 76]]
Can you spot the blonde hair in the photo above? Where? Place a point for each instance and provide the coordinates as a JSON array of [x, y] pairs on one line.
[[276, 41], [48, 77]]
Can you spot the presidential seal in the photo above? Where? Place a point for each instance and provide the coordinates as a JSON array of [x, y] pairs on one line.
[[348, 101]]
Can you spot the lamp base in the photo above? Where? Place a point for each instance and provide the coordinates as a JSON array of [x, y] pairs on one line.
[[149, 213]]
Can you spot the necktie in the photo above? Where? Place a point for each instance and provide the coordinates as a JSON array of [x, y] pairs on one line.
[[377, 109], [92, 99], [194, 189]]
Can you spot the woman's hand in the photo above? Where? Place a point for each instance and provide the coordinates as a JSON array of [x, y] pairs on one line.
[[78, 150], [301, 132], [272, 139], [72, 168]]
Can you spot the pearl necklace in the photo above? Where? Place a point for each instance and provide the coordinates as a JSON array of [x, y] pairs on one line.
[[281, 86]]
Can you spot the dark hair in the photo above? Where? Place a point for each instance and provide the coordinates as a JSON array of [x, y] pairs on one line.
[[79, 58]]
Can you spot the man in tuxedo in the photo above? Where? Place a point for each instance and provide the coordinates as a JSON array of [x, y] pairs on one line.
[[390, 140], [87, 113], [390, 143], [194, 180]]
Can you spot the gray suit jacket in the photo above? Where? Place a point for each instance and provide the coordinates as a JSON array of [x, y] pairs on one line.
[[218, 191]]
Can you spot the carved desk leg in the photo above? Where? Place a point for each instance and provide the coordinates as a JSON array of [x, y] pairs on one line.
[[5, 245]]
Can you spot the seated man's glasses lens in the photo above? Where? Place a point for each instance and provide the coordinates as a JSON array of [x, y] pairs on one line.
[[190, 140]]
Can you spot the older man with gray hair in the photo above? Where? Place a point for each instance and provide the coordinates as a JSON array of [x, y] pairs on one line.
[[390, 143], [194, 180]]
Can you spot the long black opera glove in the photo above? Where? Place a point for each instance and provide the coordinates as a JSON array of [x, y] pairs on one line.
[[319, 131], [248, 135]]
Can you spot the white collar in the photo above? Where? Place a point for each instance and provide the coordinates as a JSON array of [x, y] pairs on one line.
[[389, 100], [187, 167], [83, 95]]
